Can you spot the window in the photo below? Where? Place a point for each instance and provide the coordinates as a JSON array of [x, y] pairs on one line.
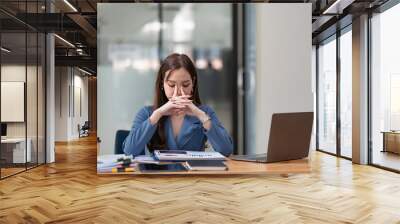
[[346, 93], [327, 96], [385, 89]]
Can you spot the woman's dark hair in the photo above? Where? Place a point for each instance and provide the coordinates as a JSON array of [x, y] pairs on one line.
[[171, 63]]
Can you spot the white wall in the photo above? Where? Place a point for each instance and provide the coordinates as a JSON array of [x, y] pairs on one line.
[[80, 82], [61, 103], [68, 81], [283, 64]]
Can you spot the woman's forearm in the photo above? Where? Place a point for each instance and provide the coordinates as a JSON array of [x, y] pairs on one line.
[[205, 119], [216, 133], [155, 117], [141, 132]]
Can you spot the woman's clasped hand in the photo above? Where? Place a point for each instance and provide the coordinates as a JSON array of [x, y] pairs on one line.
[[179, 104]]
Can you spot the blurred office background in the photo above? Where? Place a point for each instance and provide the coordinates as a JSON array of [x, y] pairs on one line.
[[220, 39], [133, 38]]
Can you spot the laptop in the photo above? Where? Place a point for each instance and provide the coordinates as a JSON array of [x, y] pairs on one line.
[[289, 138]]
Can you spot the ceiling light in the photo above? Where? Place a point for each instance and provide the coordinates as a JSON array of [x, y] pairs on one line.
[[5, 50], [201, 63], [84, 71], [331, 7], [338, 6], [64, 40], [121, 65], [217, 64], [154, 26], [70, 5]]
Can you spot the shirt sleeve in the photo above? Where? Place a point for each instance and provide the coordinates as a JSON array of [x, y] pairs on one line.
[[217, 135], [140, 134]]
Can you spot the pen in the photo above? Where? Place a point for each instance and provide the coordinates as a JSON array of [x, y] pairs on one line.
[[122, 169]]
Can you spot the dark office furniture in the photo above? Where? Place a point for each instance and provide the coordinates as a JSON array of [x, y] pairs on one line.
[[84, 130], [119, 140]]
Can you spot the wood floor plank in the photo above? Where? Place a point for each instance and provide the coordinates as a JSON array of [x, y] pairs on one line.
[[70, 191]]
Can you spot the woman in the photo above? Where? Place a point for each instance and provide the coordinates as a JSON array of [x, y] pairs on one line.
[[177, 120]]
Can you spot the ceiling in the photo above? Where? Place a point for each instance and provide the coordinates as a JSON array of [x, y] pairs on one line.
[[77, 22]]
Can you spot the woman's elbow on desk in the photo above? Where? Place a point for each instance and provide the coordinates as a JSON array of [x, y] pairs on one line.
[[130, 148], [131, 151], [226, 149]]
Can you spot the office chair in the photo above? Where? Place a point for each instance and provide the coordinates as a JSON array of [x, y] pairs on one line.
[[84, 130], [120, 136], [86, 127]]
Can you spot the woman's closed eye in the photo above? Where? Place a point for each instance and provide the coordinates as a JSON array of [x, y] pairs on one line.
[[184, 86]]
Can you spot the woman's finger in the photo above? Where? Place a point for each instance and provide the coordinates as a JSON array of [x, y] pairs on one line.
[[184, 104], [176, 99], [182, 92], [178, 106], [175, 111], [182, 101], [175, 91], [180, 98]]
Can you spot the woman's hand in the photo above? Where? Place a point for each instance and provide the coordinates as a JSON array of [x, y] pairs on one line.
[[169, 108], [193, 110], [188, 107], [175, 106]]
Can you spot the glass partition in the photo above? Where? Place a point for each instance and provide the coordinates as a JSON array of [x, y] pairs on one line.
[[327, 96], [131, 44], [128, 38], [188, 31], [14, 153], [22, 89]]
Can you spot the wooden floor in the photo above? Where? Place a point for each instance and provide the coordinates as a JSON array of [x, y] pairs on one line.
[[70, 191], [10, 171]]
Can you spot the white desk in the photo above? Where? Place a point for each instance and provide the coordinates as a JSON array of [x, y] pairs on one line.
[[19, 149]]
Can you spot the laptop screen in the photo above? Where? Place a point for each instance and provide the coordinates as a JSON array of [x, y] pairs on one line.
[[290, 136]]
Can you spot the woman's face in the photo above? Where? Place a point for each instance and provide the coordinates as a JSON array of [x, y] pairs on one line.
[[180, 79]]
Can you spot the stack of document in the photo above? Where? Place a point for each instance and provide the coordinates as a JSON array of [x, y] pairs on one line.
[[105, 163], [180, 155], [206, 165], [195, 160], [147, 160]]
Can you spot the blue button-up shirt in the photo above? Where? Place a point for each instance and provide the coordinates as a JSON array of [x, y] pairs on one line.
[[192, 135]]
